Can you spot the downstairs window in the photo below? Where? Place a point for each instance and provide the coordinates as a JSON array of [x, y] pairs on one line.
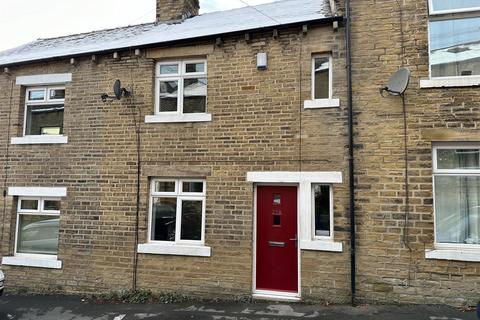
[[37, 226], [457, 194], [177, 211]]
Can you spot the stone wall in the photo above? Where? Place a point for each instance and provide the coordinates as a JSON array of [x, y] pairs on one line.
[[387, 270], [259, 124]]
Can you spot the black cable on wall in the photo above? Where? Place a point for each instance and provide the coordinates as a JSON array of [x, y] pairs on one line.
[[138, 144], [405, 240], [6, 166], [301, 104]]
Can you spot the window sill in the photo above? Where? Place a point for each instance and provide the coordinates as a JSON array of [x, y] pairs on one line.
[[321, 245], [40, 140], [321, 103], [175, 250], [48, 262], [450, 82], [454, 254], [179, 118]]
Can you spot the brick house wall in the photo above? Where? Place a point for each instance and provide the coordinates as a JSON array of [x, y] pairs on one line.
[[387, 272], [259, 124]]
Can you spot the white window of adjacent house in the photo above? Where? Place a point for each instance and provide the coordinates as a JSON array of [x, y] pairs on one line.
[[37, 226], [181, 87], [454, 39], [44, 109], [456, 173], [322, 77], [177, 211], [322, 206]]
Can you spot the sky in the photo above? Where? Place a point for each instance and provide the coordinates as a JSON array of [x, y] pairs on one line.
[[22, 21]]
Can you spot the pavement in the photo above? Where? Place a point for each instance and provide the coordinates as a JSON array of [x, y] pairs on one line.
[[75, 308]]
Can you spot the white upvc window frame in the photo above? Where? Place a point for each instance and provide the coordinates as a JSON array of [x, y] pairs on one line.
[[432, 11], [330, 75], [40, 211], [180, 77], [329, 102], [180, 196], [452, 251], [45, 101], [331, 213], [448, 81], [47, 138]]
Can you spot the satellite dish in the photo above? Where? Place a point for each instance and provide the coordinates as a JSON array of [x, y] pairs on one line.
[[117, 89], [398, 83]]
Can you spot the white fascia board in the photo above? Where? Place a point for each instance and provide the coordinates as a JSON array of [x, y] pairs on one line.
[[295, 177], [454, 254], [44, 139], [37, 192], [175, 250], [179, 118], [450, 82], [44, 79], [319, 245], [32, 262]]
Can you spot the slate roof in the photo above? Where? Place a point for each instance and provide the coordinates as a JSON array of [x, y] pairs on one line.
[[269, 15]]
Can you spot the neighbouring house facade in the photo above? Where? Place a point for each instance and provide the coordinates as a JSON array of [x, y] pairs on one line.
[[443, 136], [221, 166]]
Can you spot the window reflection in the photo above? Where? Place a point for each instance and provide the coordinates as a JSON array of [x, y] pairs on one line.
[[321, 198], [443, 5], [164, 213], [455, 47]]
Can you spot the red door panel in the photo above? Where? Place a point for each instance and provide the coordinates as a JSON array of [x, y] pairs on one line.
[[277, 263]]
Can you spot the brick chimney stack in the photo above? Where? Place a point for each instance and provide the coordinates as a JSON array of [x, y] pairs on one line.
[[170, 10]]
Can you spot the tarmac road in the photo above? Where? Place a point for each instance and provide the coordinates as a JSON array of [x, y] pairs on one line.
[[74, 308]]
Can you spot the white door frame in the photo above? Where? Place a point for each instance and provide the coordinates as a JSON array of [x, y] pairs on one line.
[[275, 295]]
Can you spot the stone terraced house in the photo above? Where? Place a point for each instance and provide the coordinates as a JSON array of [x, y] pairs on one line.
[[248, 152]]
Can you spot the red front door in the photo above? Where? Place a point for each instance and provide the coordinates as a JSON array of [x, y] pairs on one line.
[[277, 263]]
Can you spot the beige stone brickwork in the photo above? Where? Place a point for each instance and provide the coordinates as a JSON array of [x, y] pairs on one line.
[[387, 272], [259, 124], [177, 9]]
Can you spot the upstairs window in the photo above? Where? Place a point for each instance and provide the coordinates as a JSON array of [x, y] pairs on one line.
[[181, 87], [321, 77], [453, 6], [454, 38], [457, 194], [44, 108]]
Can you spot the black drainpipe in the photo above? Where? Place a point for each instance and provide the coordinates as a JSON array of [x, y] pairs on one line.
[[351, 167]]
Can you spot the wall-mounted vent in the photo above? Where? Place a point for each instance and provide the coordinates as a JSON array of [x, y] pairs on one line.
[[262, 61]]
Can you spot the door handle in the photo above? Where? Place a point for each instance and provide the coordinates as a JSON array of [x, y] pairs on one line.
[[276, 244]]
